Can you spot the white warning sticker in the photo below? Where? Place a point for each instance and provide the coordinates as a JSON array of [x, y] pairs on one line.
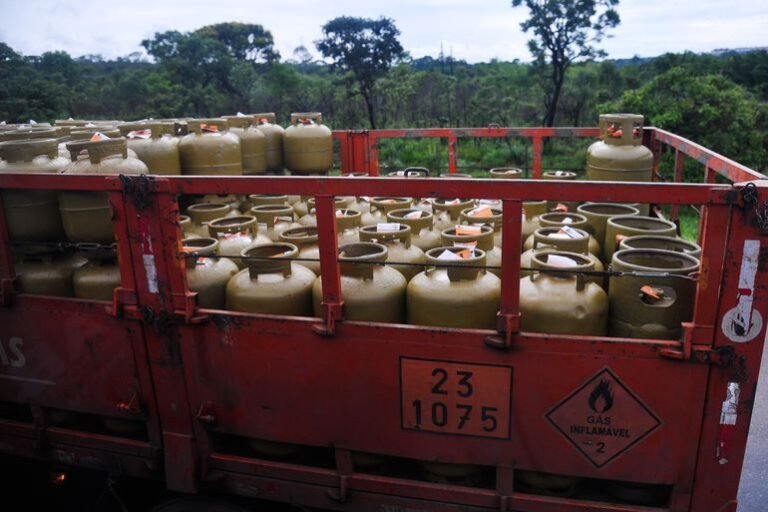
[[742, 323]]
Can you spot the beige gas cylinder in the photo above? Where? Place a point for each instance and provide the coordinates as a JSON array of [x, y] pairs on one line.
[[98, 278], [560, 176], [32, 215], [262, 199], [371, 292], [253, 143], [232, 200], [651, 307], [560, 219], [310, 218], [206, 275], [619, 155], [667, 243], [484, 215], [41, 272], [562, 239], [155, 145], [597, 215], [448, 211], [532, 210], [203, 213], [557, 299], [454, 290], [272, 283], [308, 144], [273, 134], [380, 206], [235, 234], [305, 238], [209, 149], [475, 236], [619, 227], [185, 223], [87, 216], [273, 219], [347, 226], [423, 233], [410, 172], [397, 238], [507, 173]]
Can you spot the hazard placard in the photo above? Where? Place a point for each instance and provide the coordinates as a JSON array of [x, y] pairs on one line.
[[603, 418]]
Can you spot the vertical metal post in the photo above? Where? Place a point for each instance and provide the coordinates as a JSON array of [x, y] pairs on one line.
[[509, 308], [329, 268], [538, 147], [7, 273], [452, 154], [372, 149], [674, 212]]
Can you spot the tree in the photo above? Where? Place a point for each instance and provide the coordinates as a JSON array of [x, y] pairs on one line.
[[709, 109], [565, 31], [245, 41], [363, 47]]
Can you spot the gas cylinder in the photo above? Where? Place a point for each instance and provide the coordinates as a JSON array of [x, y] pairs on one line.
[[300, 207], [622, 226], [87, 216], [562, 239], [32, 215], [232, 200], [651, 307], [347, 226], [310, 218], [371, 292], [532, 210], [273, 219], [43, 272], [547, 484], [185, 223], [206, 276], [454, 290], [506, 173], [154, 145], [561, 176], [307, 144], [272, 284], [484, 215], [397, 238], [453, 474], [619, 155], [380, 206], [597, 215], [667, 243], [235, 234], [556, 302], [209, 149], [305, 238], [423, 234], [98, 278], [477, 236], [273, 134], [447, 212], [203, 213], [558, 220], [410, 172], [36, 132], [361, 204], [253, 143], [90, 130], [262, 199]]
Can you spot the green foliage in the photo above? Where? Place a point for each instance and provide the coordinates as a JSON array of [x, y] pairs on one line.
[[564, 32], [365, 49], [709, 109]]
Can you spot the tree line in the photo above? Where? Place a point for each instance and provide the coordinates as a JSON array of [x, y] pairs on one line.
[[719, 101]]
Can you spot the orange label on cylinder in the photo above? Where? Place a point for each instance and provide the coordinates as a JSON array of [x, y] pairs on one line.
[[458, 398]]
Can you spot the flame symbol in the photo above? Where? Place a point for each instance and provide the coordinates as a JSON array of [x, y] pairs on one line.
[[601, 398]]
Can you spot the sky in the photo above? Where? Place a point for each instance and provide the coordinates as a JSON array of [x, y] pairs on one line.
[[471, 30]]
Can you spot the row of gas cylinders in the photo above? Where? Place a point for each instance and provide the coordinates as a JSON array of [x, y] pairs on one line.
[[229, 145]]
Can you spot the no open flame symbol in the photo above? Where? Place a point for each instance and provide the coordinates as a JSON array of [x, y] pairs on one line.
[[601, 398]]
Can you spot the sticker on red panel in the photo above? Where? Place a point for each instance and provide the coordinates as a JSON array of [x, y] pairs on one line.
[[450, 397], [603, 418]]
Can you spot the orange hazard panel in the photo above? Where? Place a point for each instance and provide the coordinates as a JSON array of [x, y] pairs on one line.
[[450, 397]]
